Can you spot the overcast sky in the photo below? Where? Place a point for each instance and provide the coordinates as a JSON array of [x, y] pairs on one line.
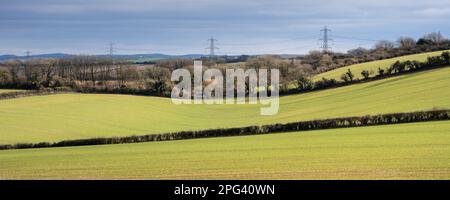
[[183, 26]]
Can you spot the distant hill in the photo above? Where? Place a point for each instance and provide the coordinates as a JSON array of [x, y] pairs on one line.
[[138, 58], [52, 55], [373, 66], [154, 56]]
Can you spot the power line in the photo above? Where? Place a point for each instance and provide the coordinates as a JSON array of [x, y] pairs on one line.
[[292, 48], [326, 39], [272, 42], [355, 38], [145, 49], [326, 43], [273, 50], [111, 53], [28, 54], [212, 46]]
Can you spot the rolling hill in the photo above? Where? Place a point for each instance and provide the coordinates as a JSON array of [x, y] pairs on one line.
[[373, 66], [74, 116], [150, 56]]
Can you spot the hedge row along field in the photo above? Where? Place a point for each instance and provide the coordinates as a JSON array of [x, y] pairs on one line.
[[252, 130], [374, 65], [396, 69], [11, 94], [78, 116], [3, 91], [401, 151]]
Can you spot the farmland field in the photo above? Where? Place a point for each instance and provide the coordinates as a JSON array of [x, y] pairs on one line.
[[74, 116], [406, 151], [373, 66], [147, 59]]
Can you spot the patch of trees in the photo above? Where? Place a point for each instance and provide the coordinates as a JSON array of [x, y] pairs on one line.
[[322, 62], [99, 75], [88, 74], [348, 77], [345, 122], [432, 62], [226, 59], [215, 60]]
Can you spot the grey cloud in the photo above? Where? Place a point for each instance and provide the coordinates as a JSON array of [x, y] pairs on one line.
[[160, 23]]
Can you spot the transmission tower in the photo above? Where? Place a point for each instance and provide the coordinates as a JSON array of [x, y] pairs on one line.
[[28, 54], [326, 39], [111, 52], [212, 47]]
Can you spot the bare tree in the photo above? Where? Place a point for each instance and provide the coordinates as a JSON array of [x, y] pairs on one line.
[[406, 42], [435, 37], [125, 73], [301, 79], [158, 77], [14, 70], [48, 70], [384, 45]]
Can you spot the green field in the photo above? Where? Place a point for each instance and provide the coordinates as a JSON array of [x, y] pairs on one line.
[[137, 60], [74, 116], [373, 66], [406, 151]]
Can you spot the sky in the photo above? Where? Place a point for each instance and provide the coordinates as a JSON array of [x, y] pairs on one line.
[[183, 26]]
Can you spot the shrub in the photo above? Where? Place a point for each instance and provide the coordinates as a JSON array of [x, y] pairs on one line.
[[365, 74], [347, 76], [380, 72]]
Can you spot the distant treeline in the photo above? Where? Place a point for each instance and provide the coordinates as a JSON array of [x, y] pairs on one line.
[[90, 74], [321, 61], [214, 60], [345, 122]]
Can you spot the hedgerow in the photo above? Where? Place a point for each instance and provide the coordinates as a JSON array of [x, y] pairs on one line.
[[345, 122]]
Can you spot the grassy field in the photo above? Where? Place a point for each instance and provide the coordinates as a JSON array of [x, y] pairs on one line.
[[373, 66], [406, 151], [74, 116]]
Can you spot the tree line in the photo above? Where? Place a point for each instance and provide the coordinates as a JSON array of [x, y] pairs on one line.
[[303, 82], [400, 67], [92, 74], [89, 74], [326, 61], [344, 122], [85, 74], [11, 95]]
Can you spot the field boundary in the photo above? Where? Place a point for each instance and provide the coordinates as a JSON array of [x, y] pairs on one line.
[[358, 81], [29, 93], [345, 122], [396, 69]]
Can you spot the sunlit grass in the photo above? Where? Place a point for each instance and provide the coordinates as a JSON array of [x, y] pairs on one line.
[[406, 151], [372, 67], [74, 116]]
